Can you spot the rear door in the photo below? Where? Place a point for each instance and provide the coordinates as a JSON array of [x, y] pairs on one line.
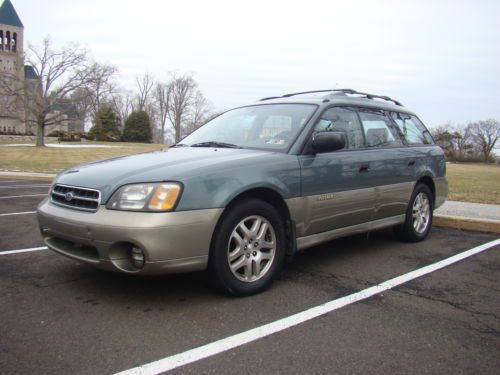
[[391, 165], [421, 157]]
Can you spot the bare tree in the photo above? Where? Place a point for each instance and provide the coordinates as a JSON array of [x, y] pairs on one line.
[[145, 85], [183, 89], [82, 100], [145, 101], [152, 112], [61, 73], [463, 141], [199, 113], [102, 85], [162, 97], [485, 135], [122, 103], [99, 89], [455, 139]]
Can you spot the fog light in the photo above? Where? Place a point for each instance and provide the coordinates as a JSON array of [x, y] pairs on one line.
[[137, 257]]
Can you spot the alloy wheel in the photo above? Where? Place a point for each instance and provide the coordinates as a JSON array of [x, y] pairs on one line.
[[251, 248], [421, 213]]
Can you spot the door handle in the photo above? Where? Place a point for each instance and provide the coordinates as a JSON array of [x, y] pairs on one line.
[[411, 163], [364, 168]]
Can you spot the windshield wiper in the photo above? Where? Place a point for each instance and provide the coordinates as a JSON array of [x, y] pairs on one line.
[[179, 145], [215, 144]]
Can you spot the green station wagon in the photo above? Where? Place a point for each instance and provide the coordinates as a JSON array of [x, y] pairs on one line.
[[250, 188]]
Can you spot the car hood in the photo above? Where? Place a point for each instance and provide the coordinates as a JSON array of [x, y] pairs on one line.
[[172, 164]]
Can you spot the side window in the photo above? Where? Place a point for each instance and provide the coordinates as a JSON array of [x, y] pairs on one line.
[[412, 129], [343, 120], [378, 129]]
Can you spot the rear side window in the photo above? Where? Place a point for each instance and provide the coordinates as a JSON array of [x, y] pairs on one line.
[[378, 129], [412, 129], [343, 120]]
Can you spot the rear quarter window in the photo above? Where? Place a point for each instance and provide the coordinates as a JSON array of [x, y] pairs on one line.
[[412, 129]]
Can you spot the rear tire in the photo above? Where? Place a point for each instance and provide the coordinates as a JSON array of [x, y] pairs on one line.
[[248, 250], [419, 214]]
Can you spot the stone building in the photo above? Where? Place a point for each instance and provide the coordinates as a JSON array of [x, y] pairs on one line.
[[14, 118]]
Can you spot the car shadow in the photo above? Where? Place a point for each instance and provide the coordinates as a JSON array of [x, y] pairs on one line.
[[369, 257], [87, 280]]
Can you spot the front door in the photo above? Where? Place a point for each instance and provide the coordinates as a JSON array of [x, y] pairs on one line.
[[336, 186]]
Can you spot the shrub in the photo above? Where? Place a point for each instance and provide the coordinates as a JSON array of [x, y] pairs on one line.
[[137, 128], [106, 125], [56, 133], [69, 138]]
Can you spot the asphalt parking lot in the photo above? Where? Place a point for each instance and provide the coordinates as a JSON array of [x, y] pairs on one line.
[[61, 316]]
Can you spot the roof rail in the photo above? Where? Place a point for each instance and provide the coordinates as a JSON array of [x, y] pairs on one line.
[[307, 92], [269, 98], [343, 91]]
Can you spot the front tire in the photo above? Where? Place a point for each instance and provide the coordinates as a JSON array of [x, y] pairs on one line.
[[248, 250], [419, 214]]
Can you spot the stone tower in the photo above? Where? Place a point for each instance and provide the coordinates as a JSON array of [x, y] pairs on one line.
[[12, 110]]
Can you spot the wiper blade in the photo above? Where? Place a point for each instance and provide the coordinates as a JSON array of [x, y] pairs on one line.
[[179, 145], [215, 144]]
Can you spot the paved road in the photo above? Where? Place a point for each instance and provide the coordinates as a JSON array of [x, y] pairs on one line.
[[61, 316]]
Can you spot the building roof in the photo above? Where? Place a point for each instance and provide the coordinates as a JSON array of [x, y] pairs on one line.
[[29, 72], [66, 107], [8, 15]]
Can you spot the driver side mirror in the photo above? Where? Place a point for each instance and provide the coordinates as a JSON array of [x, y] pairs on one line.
[[328, 141]]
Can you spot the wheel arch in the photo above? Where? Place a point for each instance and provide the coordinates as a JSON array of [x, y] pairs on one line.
[[275, 199], [427, 180]]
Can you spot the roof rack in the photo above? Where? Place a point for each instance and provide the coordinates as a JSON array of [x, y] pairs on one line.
[[269, 98], [342, 91]]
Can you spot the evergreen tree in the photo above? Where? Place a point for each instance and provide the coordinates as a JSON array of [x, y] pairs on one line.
[[137, 128], [106, 125]]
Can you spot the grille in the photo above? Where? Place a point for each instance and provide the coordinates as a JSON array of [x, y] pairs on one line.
[[80, 251], [76, 197]]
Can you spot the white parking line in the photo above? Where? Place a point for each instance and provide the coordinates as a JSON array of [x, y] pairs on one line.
[[2, 181], [22, 196], [7, 252], [19, 213], [24, 186], [228, 343]]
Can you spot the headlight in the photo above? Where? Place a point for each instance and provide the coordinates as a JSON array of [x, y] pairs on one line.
[[146, 197]]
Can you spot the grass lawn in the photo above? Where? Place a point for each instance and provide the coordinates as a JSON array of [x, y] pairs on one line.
[[474, 182], [55, 159]]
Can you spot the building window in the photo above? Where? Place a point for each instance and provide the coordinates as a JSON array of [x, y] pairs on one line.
[[7, 41]]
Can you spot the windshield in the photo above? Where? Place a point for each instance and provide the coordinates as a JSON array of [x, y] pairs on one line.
[[270, 127]]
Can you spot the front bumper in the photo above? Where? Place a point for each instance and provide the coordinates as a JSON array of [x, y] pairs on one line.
[[172, 242]]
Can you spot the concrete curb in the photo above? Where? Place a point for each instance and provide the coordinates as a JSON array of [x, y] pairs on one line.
[[4, 175], [467, 223]]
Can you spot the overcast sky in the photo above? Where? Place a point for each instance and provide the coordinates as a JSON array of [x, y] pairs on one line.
[[439, 58]]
